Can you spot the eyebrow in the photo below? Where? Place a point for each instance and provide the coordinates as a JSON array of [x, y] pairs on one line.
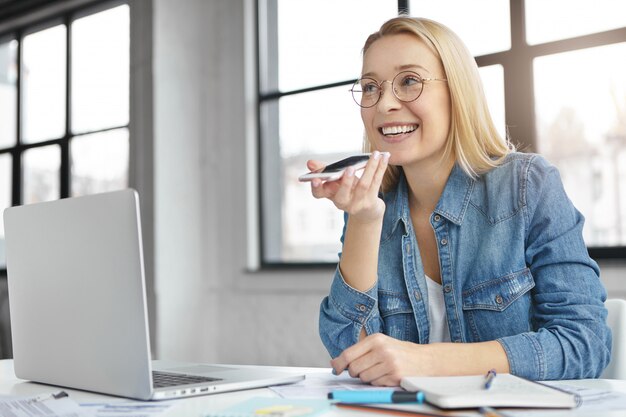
[[399, 68]]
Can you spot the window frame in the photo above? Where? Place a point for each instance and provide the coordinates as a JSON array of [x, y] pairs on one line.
[[517, 63], [65, 17]]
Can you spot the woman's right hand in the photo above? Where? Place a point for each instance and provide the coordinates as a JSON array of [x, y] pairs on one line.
[[356, 196]]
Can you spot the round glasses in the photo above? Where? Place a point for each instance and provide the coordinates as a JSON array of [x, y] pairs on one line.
[[407, 86]]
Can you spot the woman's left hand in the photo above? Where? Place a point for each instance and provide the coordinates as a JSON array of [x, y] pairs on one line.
[[382, 360]]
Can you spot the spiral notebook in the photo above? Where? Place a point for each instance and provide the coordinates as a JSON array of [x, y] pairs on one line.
[[506, 390]]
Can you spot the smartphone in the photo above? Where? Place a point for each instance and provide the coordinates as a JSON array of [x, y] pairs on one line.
[[335, 170]]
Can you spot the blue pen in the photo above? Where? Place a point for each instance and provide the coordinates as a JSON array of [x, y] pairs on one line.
[[489, 378], [376, 396]]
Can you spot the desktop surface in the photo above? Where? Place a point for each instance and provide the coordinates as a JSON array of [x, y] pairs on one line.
[[200, 406]]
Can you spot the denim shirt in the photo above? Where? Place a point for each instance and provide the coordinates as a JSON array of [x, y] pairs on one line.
[[514, 268]]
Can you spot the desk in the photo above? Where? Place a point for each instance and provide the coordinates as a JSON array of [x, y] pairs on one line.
[[198, 406]]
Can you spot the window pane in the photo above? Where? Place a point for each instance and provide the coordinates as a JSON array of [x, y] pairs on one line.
[[8, 93], [493, 83], [41, 174], [44, 84], [560, 19], [484, 25], [100, 70], [320, 41], [581, 115], [5, 198], [99, 162], [306, 229]]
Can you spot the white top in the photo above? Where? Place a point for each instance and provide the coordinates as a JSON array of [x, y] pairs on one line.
[[439, 331]]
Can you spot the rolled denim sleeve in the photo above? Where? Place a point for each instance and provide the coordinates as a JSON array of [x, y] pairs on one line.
[[344, 312], [571, 339]]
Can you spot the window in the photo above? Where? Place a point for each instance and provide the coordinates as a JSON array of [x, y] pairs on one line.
[[64, 107], [556, 88]]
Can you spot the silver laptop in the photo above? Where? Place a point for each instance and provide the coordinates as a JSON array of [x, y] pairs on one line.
[[78, 304]]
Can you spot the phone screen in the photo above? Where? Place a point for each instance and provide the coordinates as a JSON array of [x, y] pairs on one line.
[[344, 163]]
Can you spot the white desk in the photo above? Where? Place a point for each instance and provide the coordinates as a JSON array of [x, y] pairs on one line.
[[198, 406]]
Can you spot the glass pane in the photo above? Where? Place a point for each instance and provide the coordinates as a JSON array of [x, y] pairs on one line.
[[100, 70], [44, 85], [320, 41], [41, 174], [560, 19], [8, 93], [5, 198], [493, 83], [484, 25], [311, 228], [99, 162], [581, 116]]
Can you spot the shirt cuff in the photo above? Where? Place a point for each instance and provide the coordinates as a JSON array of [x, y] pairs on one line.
[[525, 355], [353, 304]]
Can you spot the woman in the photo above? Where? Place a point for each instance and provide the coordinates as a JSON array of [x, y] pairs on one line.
[[459, 254]]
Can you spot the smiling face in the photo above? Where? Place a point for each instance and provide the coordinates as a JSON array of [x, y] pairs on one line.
[[414, 132]]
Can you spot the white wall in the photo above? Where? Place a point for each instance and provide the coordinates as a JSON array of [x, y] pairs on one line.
[[209, 308]]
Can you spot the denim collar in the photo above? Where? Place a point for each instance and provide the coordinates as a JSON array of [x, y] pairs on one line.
[[452, 204]]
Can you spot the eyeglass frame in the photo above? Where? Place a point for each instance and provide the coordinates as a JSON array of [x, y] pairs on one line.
[[380, 86]]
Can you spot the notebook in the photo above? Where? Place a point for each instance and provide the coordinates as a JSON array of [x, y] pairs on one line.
[[78, 304], [506, 390]]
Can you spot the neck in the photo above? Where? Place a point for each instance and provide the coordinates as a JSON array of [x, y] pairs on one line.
[[426, 183]]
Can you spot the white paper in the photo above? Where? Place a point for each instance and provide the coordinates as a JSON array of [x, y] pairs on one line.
[[34, 407], [126, 409], [318, 385]]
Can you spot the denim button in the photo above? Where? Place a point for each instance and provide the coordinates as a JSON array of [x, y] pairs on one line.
[[499, 299], [361, 307], [437, 217], [447, 288], [444, 241], [408, 249], [418, 296]]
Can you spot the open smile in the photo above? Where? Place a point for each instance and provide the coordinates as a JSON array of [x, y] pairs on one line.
[[391, 131]]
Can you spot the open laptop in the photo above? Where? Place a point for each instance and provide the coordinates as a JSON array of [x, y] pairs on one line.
[[78, 304]]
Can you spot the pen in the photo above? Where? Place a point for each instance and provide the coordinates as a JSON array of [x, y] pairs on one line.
[[375, 396], [489, 378], [44, 397]]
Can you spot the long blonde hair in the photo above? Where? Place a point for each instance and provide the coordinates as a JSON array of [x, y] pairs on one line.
[[473, 140]]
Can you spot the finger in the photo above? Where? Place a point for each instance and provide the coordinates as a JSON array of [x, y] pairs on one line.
[[313, 165], [344, 192], [341, 362], [377, 180], [375, 372], [365, 181]]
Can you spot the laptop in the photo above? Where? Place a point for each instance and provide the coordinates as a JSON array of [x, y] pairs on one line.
[[78, 305]]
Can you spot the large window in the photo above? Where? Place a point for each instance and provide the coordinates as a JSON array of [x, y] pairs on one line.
[[552, 75], [64, 107]]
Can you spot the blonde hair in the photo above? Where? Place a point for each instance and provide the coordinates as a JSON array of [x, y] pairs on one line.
[[473, 140]]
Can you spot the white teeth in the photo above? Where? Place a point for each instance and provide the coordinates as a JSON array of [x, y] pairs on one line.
[[394, 130]]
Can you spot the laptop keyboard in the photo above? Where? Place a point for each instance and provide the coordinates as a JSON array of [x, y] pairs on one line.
[[165, 379]]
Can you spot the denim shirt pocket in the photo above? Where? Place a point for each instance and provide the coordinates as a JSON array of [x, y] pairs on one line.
[[499, 307], [396, 314]]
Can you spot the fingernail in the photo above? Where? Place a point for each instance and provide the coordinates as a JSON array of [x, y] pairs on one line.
[[376, 155], [333, 371], [350, 171], [386, 155]]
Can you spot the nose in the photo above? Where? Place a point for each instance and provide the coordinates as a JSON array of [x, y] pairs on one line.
[[388, 100]]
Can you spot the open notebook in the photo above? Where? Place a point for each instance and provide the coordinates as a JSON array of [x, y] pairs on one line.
[[506, 391]]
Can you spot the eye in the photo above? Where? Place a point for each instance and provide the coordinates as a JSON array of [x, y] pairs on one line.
[[410, 80], [369, 87]]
